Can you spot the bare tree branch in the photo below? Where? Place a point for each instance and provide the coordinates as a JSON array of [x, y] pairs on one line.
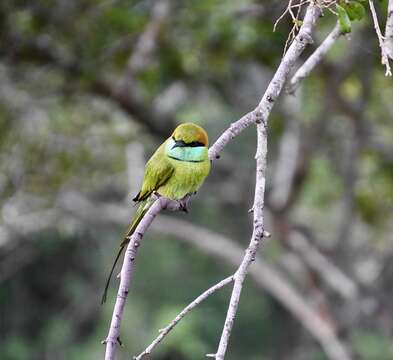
[[258, 232], [113, 337], [314, 59], [262, 111], [384, 54], [389, 31], [184, 312]]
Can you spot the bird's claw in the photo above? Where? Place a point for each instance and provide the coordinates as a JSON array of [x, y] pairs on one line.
[[184, 203]]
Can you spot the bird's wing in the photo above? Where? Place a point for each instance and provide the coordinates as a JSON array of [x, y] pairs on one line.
[[157, 172]]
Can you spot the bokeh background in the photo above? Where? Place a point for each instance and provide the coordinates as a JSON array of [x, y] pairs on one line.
[[88, 90]]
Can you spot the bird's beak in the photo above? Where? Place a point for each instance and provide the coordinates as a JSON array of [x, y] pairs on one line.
[[178, 143]]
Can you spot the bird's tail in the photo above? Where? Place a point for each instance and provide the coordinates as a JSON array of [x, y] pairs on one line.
[[140, 213]]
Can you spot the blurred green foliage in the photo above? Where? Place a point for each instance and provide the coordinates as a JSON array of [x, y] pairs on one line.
[[59, 134]]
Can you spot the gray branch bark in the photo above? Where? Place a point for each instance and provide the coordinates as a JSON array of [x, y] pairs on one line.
[[389, 31]]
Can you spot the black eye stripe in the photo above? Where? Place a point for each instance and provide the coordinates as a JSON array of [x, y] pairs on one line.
[[195, 144], [181, 143]]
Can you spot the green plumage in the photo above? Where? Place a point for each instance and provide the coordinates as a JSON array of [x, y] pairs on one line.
[[177, 168]]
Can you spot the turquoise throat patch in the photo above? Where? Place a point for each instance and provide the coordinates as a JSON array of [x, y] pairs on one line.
[[186, 153]]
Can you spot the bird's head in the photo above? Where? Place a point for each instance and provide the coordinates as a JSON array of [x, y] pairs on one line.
[[189, 142], [189, 134]]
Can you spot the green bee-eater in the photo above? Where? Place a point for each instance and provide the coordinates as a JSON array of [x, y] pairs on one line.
[[177, 168]]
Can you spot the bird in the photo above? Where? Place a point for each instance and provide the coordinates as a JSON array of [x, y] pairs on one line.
[[177, 169]]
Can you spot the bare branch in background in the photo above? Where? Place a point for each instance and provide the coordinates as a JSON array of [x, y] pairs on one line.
[[384, 54], [142, 54], [183, 313], [314, 59], [147, 42], [350, 174], [126, 93], [288, 154], [331, 274], [389, 31], [290, 158]]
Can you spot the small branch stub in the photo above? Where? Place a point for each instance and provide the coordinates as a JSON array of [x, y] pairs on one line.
[[266, 234]]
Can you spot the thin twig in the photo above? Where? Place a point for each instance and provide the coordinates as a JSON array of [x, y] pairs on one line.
[[165, 331], [314, 59], [384, 55]]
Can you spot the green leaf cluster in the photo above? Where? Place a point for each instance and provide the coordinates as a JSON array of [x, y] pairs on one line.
[[348, 11]]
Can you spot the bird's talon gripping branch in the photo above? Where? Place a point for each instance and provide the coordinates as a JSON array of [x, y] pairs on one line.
[[184, 205]]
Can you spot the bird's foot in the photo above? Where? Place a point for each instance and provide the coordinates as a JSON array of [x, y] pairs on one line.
[[184, 203], [156, 194]]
